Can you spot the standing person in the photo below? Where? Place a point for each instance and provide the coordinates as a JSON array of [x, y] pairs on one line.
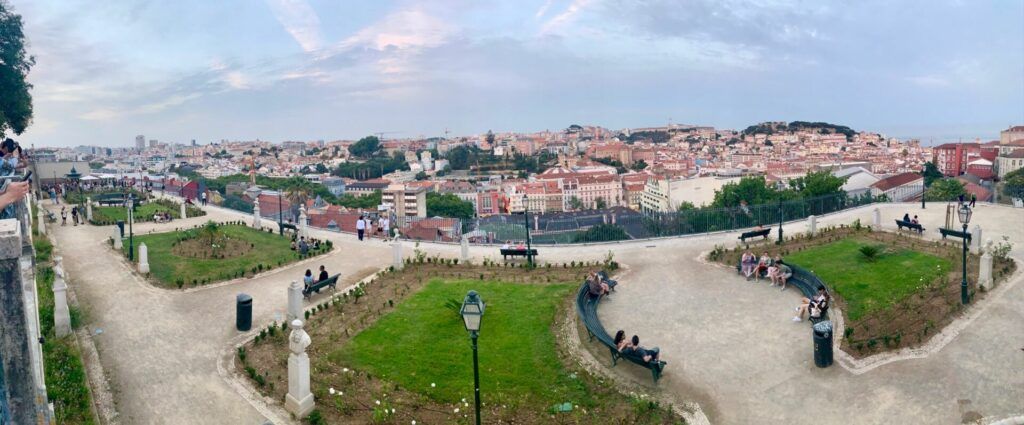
[[203, 198], [974, 199], [74, 215], [303, 246], [63, 216], [385, 227], [360, 227]]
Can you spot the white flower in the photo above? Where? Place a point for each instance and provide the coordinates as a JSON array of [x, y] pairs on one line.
[[413, 422], [331, 390], [456, 410], [463, 400], [392, 410], [345, 370], [466, 404], [432, 385], [340, 393], [378, 402]]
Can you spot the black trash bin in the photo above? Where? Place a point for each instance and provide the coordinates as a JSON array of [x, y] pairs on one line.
[[243, 310], [822, 332], [120, 225]]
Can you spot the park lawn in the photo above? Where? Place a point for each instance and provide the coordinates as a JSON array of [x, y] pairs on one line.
[[271, 250], [143, 212], [423, 342], [869, 286]]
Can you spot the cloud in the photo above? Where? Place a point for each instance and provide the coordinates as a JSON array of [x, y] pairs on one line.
[[300, 20], [407, 28], [107, 114], [555, 24], [543, 9]]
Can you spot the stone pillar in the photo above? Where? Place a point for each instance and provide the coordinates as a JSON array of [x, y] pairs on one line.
[[61, 312], [536, 223], [42, 220], [465, 249], [143, 258], [88, 208], [295, 301], [604, 218], [976, 238], [396, 248], [302, 222], [985, 268], [117, 238], [812, 225], [256, 214], [298, 401], [183, 210], [876, 218], [613, 218]]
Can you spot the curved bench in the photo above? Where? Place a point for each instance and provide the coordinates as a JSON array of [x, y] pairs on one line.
[[806, 282], [586, 306]]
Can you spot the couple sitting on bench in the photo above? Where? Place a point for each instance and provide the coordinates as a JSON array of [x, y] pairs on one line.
[[632, 348], [813, 307], [599, 284]]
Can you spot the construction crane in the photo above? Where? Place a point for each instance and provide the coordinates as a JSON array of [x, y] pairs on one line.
[[380, 134]]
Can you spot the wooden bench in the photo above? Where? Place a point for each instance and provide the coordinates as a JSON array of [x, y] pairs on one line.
[[900, 224], [586, 307], [317, 286], [505, 253], [754, 233], [955, 233]]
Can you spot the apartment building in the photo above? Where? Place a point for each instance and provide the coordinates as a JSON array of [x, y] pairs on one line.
[[405, 201]]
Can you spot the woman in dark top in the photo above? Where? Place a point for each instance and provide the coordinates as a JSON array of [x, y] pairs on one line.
[[620, 340]]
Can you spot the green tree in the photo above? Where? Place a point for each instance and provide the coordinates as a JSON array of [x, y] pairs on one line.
[[600, 203], [365, 148], [575, 203], [372, 200], [421, 175], [15, 63], [752, 190], [931, 173], [945, 190], [490, 138], [448, 205], [639, 165], [686, 206], [817, 183], [602, 233]]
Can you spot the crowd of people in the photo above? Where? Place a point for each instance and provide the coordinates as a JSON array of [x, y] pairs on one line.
[[514, 245], [778, 273], [75, 216], [367, 226], [303, 246]]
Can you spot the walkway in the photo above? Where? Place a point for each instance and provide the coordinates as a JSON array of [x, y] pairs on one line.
[[731, 340]]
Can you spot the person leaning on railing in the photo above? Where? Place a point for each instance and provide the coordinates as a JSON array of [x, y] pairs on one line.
[[14, 192]]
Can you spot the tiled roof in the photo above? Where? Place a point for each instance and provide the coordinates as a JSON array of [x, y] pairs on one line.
[[896, 181]]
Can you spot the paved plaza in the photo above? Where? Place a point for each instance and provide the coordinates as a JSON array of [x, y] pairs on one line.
[[730, 344]]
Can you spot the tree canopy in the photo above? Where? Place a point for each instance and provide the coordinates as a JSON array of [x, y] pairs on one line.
[[931, 173], [945, 190], [448, 205], [372, 200], [602, 233], [15, 63], [365, 148], [817, 183]]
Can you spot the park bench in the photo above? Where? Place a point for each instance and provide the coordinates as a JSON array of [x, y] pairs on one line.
[[808, 284], [511, 252], [755, 233], [900, 224], [586, 306], [955, 233], [604, 278], [317, 286], [288, 226], [111, 202]]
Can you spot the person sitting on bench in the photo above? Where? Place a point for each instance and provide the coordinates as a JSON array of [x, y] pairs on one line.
[[323, 274], [307, 280], [507, 245], [762, 266], [649, 355], [783, 273], [595, 286], [748, 264], [620, 340], [520, 245], [916, 222], [906, 218], [814, 305]]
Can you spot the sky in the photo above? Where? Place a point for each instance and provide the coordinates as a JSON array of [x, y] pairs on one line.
[[326, 69]]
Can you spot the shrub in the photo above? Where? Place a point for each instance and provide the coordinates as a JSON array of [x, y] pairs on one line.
[[315, 418], [1001, 251], [869, 252]]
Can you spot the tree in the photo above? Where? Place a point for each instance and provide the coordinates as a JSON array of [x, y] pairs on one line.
[[365, 147], [210, 231], [297, 197], [945, 190], [575, 203], [372, 200], [490, 138], [931, 173], [422, 175], [639, 165], [1013, 184], [602, 233], [600, 203], [448, 205], [15, 63], [752, 190], [817, 183], [686, 206]]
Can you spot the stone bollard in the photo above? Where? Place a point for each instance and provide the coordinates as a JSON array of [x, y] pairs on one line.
[[184, 214], [876, 219], [465, 250], [812, 225], [256, 214], [88, 208], [117, 238], [396, 248], [295, 301], [61, 312], [976, 238], [298, 401], [985, 268], [42, 220], [302, 222], [143, 258]]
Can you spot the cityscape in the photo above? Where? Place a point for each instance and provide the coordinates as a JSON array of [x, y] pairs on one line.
[[302, 212]]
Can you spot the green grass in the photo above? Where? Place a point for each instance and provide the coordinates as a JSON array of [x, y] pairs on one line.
[[271, 251], [869, 286], [143, 212], [423, 342]]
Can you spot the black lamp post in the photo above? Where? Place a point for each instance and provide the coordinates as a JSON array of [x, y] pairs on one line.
[[526, 216], [472, 313], [782, 219], [964, 213], [280, 214], [131, 219]]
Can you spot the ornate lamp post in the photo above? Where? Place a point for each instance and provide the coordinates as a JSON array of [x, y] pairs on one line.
[[131, 219], [526, 216], [472, 313], [280, 214], [964, 213], [782, 219]]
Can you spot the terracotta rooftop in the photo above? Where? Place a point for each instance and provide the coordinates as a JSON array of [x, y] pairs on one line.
[[896, 181]]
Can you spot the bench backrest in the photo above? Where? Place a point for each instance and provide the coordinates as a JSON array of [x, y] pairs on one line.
[[586, 306], [518, 252], [908, 224]]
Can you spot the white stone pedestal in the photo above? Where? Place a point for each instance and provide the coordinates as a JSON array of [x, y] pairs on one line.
[[298, 401], [61, 313], [295, 301], [42, 221], [256, 214], [117, 238], [302, 222], [976, 238], [465, 249], [143, 258], [876, 218], [88, 208], [396, 249], [985, 268], [812, 225], [183, 209]]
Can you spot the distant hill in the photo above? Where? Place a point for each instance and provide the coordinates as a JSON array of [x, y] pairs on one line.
[[781, 127]]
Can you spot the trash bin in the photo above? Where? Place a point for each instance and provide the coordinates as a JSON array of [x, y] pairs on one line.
[[822, 332], [243, 310], [120, 225]]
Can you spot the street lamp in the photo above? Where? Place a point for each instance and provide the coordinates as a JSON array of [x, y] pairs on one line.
[[131, 219], [964, 213], [280, 214], [526, 216], [472, 312], [782, 219]]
